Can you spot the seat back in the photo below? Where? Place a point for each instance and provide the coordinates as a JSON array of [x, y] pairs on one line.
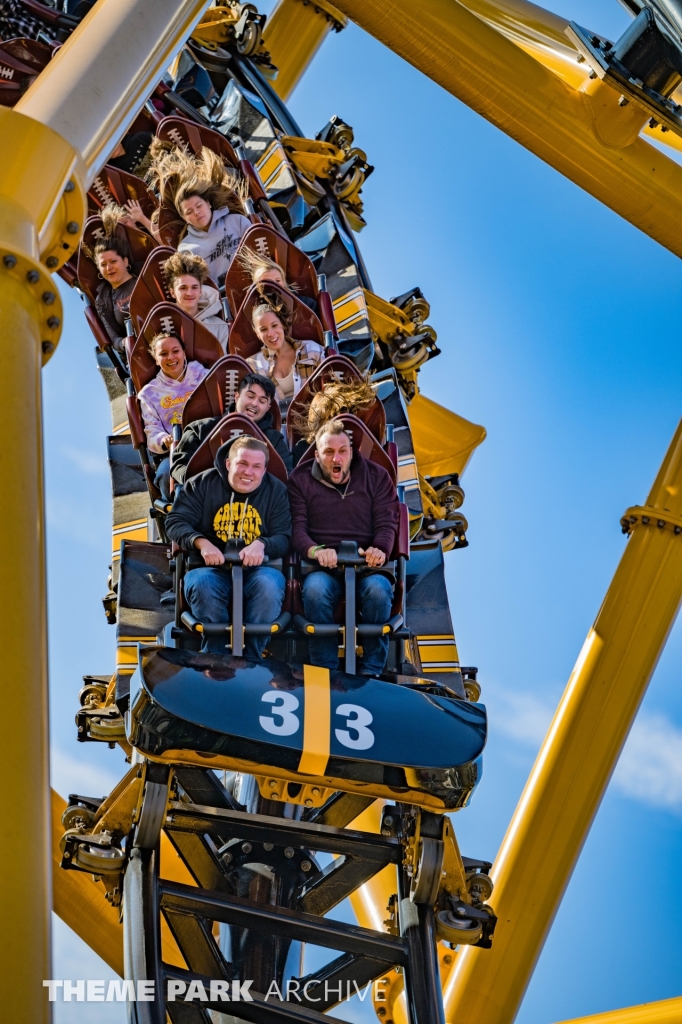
[[21, 61], [229, 428], [115, 186], [305, 326], [333, 368], [263, 239], [150, 288], [199, 342], [139, 243], [217, 391], [189, 135], [363, 441]]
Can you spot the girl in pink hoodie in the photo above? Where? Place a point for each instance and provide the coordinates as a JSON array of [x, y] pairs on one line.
[[164, 398]]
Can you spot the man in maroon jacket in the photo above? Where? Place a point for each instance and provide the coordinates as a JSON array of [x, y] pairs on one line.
[[342, 496]]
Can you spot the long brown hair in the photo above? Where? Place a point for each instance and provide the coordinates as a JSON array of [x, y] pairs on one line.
[[335, 398]]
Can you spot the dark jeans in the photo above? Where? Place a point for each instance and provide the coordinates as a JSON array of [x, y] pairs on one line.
[[209, 593], [322, 592], [162, 478]]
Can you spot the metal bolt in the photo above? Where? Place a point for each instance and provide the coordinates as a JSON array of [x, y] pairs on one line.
[[10, 261], [48, 298], [53, 323], [308, 802], [70, 186], [227, 857], [305, 865], [33, 277], [461, 911], [51, 262], [661, 523], [273, 783], [48, 348], [381, 1011], [267, 847], [623, 101], [315, 791], [388, 820], [593, 74], [289, 852], [580, 59], [67, 855], [73, 227], [246, 847], [447, 959]]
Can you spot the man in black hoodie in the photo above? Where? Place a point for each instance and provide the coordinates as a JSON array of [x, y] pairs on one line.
[[236, 502], [254, 399]]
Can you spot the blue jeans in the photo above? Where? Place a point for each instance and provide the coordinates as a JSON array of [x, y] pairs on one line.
[[162, 478], [209, 592], [322, 592]]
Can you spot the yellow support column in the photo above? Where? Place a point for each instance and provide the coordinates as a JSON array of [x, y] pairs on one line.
[[668, 1011], [581, 749], [294, 33], [563, 126], [54, 142]]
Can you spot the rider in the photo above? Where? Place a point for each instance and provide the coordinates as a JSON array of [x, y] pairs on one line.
[[236, 501], [338, 496], [185, 276], [254, 400]]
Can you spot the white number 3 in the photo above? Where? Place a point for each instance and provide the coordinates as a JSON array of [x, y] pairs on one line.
[[284, 710], [364, 738]]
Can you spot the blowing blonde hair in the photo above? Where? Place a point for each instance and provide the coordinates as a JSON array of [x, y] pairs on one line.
[[179, 175], [337, 397]]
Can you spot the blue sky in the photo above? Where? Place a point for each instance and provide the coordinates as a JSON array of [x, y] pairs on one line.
[[559, 325]]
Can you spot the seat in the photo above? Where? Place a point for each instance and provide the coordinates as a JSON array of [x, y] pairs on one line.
[[179, 131], [263, 239], [228, 428], [199, 343], [363, 441], [305, 325], [139, 243], [21, 61], [115, 186], [150, 288], [333, 368], [218, 390]]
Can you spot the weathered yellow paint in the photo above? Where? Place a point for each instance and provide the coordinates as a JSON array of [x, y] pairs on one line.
[[293, 34], [576, 760], [504, 84]]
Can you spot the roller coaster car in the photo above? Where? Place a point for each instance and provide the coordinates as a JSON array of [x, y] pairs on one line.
[[117, 186], [21, 61], [415, 743], [365, 442], [334, 368], [305, 325], [186, 134], [60, 20]]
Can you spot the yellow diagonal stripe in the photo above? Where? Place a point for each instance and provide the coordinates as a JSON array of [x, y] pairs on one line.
[[316, 721]]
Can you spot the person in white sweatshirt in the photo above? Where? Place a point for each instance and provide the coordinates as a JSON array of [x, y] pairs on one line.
[[207, 196], [185, 276], [164, 398]]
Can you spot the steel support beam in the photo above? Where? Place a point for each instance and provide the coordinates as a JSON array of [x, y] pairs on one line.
[[586, 137], [54, 142], [668, 1011], [580, 751], [294, 33]]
